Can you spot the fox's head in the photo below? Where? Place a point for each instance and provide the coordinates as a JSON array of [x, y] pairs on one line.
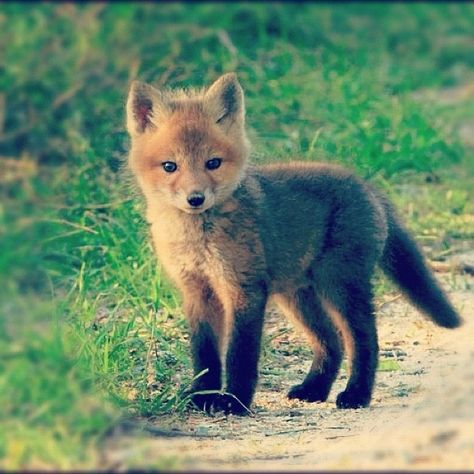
[[189, 148]]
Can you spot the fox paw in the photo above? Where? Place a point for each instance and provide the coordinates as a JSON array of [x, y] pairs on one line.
[[307, 393], [219, 402], [230, 405], [352, 399], [203, 402]]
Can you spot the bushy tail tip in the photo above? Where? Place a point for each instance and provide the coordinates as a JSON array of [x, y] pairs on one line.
[[404, 263]]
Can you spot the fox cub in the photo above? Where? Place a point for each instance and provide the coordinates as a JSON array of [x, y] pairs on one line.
[[232, 235]]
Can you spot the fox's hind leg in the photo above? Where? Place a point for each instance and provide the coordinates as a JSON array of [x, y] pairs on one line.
[[305, 307], [353, 301]]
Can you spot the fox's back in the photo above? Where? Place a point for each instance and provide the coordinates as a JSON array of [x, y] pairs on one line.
[[308, 212]]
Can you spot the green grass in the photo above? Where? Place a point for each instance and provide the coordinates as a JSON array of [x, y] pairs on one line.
[[388, 365], [90, 329]]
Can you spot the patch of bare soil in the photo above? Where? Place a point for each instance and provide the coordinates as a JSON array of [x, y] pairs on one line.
[[421, 417]]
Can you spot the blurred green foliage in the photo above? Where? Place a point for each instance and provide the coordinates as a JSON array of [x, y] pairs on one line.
[[89, 327]]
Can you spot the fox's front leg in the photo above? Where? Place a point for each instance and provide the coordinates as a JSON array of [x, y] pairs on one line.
[[244, 350], [206, 318]]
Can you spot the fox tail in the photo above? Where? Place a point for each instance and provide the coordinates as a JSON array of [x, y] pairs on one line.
[[403, 262]]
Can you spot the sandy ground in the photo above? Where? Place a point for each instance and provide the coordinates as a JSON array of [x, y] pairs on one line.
[[421, 417]]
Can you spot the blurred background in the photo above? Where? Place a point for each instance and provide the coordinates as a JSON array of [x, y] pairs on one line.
[[90, 331]]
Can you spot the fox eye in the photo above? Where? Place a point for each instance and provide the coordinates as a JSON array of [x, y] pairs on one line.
[[169, 166], [213, 163]]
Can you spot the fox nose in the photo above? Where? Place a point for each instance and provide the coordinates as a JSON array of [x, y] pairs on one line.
[[196, 198]]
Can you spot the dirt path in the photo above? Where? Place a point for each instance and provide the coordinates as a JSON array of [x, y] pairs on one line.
[[422, 415]]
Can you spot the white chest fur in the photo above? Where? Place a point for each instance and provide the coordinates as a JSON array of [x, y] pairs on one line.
[[189, 246]]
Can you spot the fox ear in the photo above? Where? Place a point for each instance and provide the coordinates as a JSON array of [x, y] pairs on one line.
[[142, 107], [224, 100]]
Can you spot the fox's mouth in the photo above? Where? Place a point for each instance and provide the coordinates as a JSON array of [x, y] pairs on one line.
[[195, 210]]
